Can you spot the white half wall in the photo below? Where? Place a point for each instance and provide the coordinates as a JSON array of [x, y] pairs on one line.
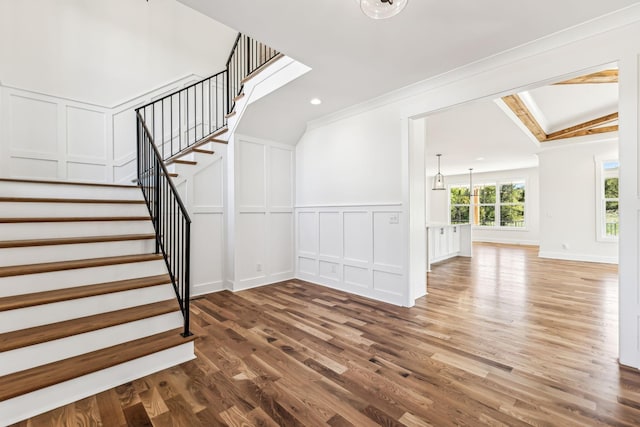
[[568, 203], [529, 235], [106, 52], [263, 227], [357, 248]]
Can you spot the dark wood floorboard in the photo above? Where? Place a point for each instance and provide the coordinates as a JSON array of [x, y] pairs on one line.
[[502, 339]]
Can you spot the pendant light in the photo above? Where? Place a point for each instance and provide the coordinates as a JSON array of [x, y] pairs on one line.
[[438, 180], [382, 9]]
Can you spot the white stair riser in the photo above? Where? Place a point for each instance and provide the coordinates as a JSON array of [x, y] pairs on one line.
[[23, 318], [46, 399], [40, 210], [55, 253], [51, 230], [63, 191], [52, 351], [42, 282]]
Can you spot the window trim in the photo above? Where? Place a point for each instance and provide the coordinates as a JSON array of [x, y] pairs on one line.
[[497, 204]]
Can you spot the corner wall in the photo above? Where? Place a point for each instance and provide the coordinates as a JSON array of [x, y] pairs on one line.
[[568, 203]]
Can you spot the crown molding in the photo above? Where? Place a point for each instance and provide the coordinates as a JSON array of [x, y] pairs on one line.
[[602, 24]]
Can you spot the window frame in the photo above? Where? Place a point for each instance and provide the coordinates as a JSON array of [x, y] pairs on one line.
[[496, 205], [601, 199]]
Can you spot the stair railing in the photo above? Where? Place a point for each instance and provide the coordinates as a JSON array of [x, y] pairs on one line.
[[169, 127], [170, 218], [195, 113]]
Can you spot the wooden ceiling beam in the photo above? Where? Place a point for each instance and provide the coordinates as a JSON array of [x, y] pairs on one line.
[[514, 102], [592, 131], [605, 76], [571, 131]]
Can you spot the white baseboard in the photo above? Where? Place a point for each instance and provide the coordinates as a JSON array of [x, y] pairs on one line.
[[242, 285], [46, 399], [207, 288], [507, 241], [578, 257], [361, 291]]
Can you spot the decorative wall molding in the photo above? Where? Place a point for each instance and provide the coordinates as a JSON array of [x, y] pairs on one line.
[[356, 248], [49, 137]]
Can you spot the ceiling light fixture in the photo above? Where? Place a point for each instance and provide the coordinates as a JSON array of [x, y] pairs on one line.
[[382, 9], [438, 180], [316, 101]]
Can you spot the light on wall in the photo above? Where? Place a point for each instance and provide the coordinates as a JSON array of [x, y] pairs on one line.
[[438, 180], [382, 9]]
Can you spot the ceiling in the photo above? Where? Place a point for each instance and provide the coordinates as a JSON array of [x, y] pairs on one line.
[[354, 58], [488, 135]]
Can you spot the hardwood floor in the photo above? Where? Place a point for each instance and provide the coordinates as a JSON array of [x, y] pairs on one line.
[[502, 339]]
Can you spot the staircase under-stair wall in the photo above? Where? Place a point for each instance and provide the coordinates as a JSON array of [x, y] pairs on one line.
[[86, 304]]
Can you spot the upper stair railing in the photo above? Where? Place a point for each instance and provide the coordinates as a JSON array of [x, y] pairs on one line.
[[190, 116], [171, 126]]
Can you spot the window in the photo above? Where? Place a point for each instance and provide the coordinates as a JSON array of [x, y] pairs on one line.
[[607, 198], [490, 205], [459, 204]]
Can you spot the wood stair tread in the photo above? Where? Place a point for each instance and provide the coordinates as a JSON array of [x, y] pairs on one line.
[[229, 115], [203, 151], [184, 162], [17, 270], [88, 184], [49, 297], [239, 97], [67, 200], [40, 377], [74, 240], [73, 219], [40, 334]]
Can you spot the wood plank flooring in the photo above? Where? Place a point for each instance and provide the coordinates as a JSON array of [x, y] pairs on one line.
[[502, 339]]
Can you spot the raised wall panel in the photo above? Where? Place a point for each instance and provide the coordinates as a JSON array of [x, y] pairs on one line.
[[387, 239], [124, 135], [329, 270], [86, 133], [387, 282], [207, 230], [307, 233], [330, 234], [86, 172], [20, 167], [25, 135], [281, 168], [356, 276], [251, 246], [125, 173], [307, 265], [357, 236], [209, 185], [280, 243], [251, 174]]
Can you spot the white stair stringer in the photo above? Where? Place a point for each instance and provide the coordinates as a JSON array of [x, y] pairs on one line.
[[46, 399]]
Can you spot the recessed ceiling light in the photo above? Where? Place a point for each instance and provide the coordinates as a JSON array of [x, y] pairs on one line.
[[316, 101], [479, 159]]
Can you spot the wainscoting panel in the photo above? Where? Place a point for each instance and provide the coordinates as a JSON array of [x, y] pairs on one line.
[[352, 248], [44, 136]]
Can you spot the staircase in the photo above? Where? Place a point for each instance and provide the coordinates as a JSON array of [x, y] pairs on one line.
[[86, 302]]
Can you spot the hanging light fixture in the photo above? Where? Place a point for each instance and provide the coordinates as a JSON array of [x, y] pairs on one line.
[[382, 9], [438, 180]]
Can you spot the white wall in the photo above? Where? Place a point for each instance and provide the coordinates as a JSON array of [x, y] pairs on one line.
[[263, 235], [566, 54], [530, 235], [568, 203], [106, 52]]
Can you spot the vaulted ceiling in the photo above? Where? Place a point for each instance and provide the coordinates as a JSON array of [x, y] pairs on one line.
[[354, 58], [508, 132]]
